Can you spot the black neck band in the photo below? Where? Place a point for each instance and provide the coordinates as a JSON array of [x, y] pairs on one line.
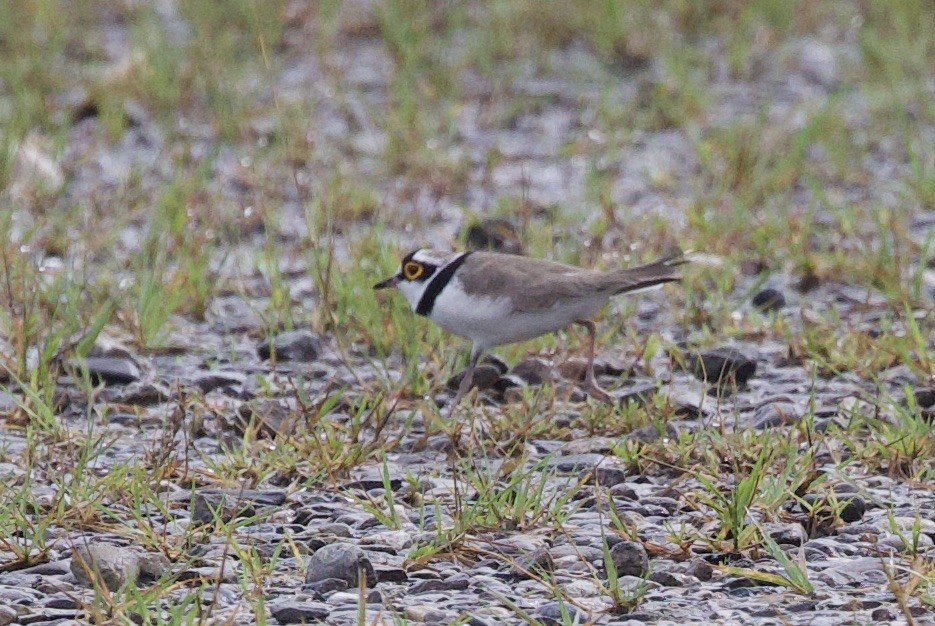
[[435, 286]]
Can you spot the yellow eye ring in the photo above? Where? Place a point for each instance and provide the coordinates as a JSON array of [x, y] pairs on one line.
[[412, 270]]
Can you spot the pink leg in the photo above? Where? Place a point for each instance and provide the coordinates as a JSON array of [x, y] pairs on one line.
[[465, 385], [590, 382]]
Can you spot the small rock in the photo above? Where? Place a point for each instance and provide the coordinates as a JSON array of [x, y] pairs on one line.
[[101, 562], [507, 382], [776, 414], [8, 615], [817, 63], [537, 562], [341, 561], [723, 367], [551, 613], [485, 377], [136, 394], [296, 345], [629, 558], [228, 504], [321, 588], [292, 612], [639, 394], [667, 579], [500, 364], [848, 507], [769, 300], [533, 371], [111, 371], [576, 462], [700, 569], [493, 234], [607, 476], [924, 399], [787, 534], [650, 433], [209, 381]]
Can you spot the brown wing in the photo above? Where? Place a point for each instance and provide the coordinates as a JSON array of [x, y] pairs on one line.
[[536, 283]]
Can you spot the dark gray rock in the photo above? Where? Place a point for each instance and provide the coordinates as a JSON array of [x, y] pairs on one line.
[[769, 300], [494, 360], [493, 233], [533, 370], [535, 563], [638, 394], [136, 394], [629, 558], [456, 582], [485, 377], [723, 367], [209, 381], [295, 345], [576, 462], [551, 613], [322, 588], [700, 569], [607, 476], [294, 612], [845, 506], [776, 414], [666, 578], [111, 371], [342, 561], [650, 433], [207, 504], [100, 562]]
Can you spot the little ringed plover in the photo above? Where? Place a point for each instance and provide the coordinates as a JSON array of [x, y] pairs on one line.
[[494, 299]]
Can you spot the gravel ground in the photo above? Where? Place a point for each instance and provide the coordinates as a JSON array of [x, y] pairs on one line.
[[292, 477]]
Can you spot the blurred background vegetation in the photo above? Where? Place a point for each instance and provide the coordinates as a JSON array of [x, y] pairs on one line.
[[155, 155]]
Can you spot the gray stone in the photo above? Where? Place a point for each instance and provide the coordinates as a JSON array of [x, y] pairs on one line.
[[296, 345], [493, 233], [100, 562], [650, 433], [769, 300], [485, 377], [8, 615], [551, 613], [629, 558], [723, 367], [293, 612], [700, 569], [776, 414], [533, 370], [576, 462], [111, 371], [342, 561]]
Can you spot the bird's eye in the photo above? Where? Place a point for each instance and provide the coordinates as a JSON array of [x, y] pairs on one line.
[[413, 270]]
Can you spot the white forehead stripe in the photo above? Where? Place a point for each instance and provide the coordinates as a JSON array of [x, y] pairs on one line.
[[429, 256]]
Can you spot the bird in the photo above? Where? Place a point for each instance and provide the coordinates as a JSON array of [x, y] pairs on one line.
[[493, 298]]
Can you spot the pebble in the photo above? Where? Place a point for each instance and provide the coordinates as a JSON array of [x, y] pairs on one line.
[[776, 414], [341, 561], [112, 371], [629, 558], [723, 367], [293, 612], [769, 300], [296, 345], [485, 377], [99, 562]]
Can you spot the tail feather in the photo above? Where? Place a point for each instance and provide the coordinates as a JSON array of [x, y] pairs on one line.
[[655, 274]]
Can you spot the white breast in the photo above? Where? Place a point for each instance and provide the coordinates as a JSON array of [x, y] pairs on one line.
[[492, 321]]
